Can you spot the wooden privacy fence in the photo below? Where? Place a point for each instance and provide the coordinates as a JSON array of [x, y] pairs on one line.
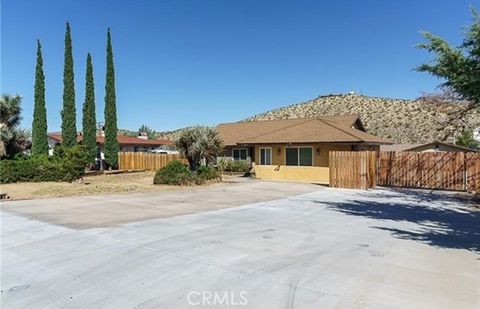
[[145, 161], [457, 171], [430, 170], [352, 169]]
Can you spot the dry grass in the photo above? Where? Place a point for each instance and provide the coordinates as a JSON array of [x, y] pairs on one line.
[[92, 185]]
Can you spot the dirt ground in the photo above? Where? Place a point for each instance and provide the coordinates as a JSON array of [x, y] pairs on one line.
[[91, 185]]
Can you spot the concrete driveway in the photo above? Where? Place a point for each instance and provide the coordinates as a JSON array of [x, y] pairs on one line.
[[329, 248]]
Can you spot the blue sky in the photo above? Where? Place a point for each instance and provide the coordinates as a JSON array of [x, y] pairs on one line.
[[185, 62]]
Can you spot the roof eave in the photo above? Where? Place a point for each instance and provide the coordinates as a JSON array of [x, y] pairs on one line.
[[245, 143]]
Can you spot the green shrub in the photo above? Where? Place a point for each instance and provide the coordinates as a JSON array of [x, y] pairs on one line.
[[177, 173], [206, 173], [236, 166], [66, 167], [73, 162], [174, 173]]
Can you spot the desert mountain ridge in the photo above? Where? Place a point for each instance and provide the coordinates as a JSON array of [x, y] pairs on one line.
[[401, 121], [398, 120]]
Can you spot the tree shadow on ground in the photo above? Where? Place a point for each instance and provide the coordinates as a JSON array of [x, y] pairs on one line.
[[441, 219]]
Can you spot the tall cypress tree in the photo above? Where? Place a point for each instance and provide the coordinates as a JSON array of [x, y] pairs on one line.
[[89, 122], [69, 126], [39, 124], [111, 142]]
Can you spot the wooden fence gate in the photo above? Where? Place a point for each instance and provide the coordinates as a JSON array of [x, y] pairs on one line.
[[457, 171], [430, 170], [145, 161], [353, 169]]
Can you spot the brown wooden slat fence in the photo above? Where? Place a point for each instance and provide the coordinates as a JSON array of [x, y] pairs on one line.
[[457, 171], [352, 169], [145, 161]]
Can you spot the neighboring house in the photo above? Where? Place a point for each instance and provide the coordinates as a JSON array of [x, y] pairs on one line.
[[428, 147], [126, 143], [295, 149]]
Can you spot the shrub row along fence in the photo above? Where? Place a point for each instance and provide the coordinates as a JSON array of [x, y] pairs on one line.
[[429, 170], [145, 161], [352, 169]]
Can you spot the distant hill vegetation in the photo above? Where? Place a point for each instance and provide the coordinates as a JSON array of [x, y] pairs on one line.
[[169, 135], [401, 121]]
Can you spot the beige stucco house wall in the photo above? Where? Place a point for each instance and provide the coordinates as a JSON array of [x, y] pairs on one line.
[[245, 141], [318, 172]]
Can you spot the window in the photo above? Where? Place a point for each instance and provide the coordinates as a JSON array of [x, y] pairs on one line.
[[265, 156], [299, 156], [240, 154]]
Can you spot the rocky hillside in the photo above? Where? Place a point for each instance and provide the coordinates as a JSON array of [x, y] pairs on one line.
[[401, 121], [170, 135]]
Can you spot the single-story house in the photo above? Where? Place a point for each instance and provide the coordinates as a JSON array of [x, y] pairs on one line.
[[126, 143], [427, 147], [295, 149]]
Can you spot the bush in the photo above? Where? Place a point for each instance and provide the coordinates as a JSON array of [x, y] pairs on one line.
[[73, 162], [68, 166], [174, 173], [206, 173], [177, 173], [236, 166]]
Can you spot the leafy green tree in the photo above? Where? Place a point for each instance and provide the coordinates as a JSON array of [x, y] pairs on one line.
[[151, 134], [458, 66], [89, 122], [39, 124], [13, 140], [466, 139], [69, 126], [200, 143], [111, 142]]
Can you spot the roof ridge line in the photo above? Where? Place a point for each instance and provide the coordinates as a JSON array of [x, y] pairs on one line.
[[283, 128], [280, 119], [341, 129]]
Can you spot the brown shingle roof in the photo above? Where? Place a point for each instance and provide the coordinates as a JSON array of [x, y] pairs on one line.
[[323, 129], [122, 140], [398, 147]]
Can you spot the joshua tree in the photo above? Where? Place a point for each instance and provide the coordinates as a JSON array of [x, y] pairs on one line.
[[200, 143]]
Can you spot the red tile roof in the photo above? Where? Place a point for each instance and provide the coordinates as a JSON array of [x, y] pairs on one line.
[[122, 140]]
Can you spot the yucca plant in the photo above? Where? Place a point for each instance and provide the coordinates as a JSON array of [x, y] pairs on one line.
[[199, 143], [13, 139]]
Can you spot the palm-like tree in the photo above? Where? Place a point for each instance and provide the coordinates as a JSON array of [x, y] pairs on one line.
[[199, 143], [12, 139]]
